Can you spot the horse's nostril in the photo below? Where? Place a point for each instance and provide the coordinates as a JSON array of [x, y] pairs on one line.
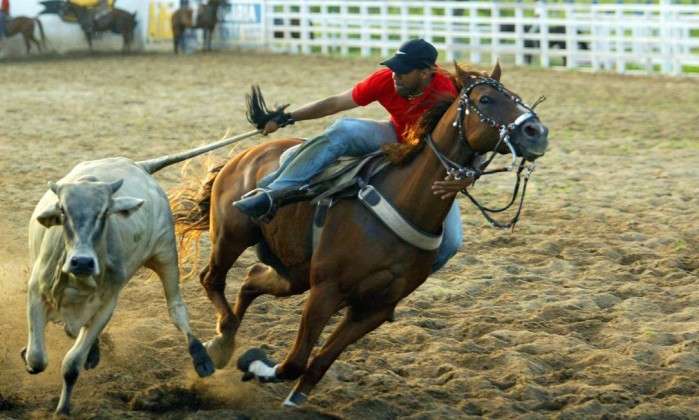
[[531, 130]]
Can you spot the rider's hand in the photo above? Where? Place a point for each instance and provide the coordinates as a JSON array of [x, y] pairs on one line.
[[270, 127], [450, 186]]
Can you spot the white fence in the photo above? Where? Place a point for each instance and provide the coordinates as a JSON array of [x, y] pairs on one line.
[[627, 38]]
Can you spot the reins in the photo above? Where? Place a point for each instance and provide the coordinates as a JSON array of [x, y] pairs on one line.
[[460, 172]]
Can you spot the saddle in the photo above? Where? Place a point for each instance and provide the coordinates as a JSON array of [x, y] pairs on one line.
[[341, 180], [349, 177]]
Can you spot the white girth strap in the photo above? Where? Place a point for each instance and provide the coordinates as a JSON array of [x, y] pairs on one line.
[[394, 221]]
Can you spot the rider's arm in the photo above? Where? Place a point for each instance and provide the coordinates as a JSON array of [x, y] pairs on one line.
[[318, 109]]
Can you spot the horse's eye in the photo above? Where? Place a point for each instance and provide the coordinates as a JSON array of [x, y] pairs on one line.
[[484, 100]]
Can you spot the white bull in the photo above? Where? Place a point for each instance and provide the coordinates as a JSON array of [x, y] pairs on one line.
[[88, 235]]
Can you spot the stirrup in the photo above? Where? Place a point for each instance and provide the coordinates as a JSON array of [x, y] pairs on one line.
[[271, 210]]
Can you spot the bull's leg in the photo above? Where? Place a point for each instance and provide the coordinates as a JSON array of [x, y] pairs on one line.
[[352, 327], [77, 356], [34, 355], [93, 356], [261, 280], [165, 265]]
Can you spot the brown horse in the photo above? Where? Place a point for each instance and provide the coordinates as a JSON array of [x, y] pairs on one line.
[[358, 263], [117, 21], [207, 17], [25, 26], [180, 21]]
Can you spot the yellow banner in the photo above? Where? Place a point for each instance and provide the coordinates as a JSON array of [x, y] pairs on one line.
[[89, 3]]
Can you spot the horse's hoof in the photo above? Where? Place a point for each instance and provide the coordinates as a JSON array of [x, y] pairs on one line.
[[250, 356], [256, 364], [220, 350], [295, 399], [202, 362]]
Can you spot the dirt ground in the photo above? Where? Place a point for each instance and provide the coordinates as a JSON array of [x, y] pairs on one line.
[[589, 309]]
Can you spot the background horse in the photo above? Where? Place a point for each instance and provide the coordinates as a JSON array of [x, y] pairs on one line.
[[25, 26], [180, 21], [358, 263], [207, 17], [117, 21]]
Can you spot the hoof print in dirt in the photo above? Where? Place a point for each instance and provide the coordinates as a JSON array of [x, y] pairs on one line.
[[164, 398]]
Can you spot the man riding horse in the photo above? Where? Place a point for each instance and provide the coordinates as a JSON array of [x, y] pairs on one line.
[[406, 88], [98, 16], [4, 14]]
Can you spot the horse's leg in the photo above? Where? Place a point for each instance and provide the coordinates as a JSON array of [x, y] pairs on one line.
[[352, 327], [261, 280], [176, 39], [27, 43], [38, 46], [323, 301], [224, 252]]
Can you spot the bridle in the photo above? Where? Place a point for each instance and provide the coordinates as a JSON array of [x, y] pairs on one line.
[[466, 105]]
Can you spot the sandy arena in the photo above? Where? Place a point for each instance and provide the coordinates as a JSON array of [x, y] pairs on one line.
[[589, 309]]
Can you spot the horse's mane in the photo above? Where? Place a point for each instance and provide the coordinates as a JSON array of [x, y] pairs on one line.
[[401, 153]]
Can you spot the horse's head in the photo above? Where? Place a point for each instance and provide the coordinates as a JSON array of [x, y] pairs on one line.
[[491, 117]]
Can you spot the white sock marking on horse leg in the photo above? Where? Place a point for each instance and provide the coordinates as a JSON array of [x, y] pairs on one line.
[[261, 370]]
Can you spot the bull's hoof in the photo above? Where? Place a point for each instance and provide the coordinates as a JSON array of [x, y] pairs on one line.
[[31, 369], [220, 349], [202, 362]]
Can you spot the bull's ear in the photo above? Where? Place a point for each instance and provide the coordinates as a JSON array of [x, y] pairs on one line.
[[496, 71], [125, 206], [50, 217]]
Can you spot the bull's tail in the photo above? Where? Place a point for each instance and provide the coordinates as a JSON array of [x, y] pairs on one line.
[[191, 209], [154, 165], [41, 32]]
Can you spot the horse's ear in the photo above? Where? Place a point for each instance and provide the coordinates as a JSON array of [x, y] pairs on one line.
[[496, 71], [463, 77]]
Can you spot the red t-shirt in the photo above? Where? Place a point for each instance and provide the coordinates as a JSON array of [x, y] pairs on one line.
[[5, 6], [403, 112]]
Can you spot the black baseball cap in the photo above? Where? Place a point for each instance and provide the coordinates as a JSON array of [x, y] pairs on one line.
[[413, 54]]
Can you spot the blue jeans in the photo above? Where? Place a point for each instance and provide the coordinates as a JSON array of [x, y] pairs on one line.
[[353, 137], [3, 16]]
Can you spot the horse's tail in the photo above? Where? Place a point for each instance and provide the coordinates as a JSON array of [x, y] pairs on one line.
[[41, 32], [191, 209]]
